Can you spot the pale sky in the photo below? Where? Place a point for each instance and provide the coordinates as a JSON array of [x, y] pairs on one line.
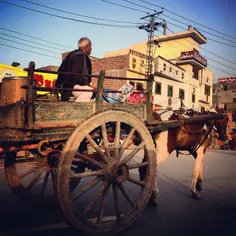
[[215, 19]]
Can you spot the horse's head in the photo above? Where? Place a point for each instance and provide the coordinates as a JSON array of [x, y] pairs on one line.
[[220, 127]]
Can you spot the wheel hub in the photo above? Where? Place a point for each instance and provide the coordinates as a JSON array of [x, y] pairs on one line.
[[118, 172]]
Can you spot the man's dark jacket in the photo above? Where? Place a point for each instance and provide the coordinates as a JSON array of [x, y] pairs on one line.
[[80, 63]]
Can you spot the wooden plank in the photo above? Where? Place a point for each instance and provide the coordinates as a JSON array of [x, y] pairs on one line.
[[99, 91], [62, 111], [30, 97], [149, 105]]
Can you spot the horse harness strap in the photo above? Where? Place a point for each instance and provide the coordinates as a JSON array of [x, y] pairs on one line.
[[193, 149], [208, 132]]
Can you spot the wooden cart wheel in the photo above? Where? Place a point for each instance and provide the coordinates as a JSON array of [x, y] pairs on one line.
[[110, 195], [30, 178]]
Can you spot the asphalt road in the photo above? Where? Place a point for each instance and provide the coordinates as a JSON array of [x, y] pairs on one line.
[[176, 214]]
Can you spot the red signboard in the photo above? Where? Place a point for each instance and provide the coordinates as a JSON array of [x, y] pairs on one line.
[[193, 55], [227, 80]]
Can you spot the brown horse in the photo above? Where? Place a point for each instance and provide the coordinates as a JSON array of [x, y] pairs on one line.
[[195, 138]]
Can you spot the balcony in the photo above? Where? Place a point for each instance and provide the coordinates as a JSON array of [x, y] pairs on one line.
[[194, 58]]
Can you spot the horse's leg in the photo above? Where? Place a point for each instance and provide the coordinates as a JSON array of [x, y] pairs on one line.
[[200, 178], [197, 167]]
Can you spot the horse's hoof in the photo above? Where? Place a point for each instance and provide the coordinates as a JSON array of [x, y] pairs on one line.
[[152, 203], [199, 185], [196, 195]]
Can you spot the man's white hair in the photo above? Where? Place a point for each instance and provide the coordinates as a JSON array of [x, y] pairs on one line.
[[83, 42]]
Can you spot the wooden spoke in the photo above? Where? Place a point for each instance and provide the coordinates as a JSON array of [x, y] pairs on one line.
[[88, 174], [96, 197], [88, 159], [53, 176], [102, 206], [29, 171], [117, 139], [87, 187], [128, 198], [137, 182], [138, 165], [127, 141], [116, 200], [36, 177], [105, 140], [97, 148], [45, 181], [135, 151]]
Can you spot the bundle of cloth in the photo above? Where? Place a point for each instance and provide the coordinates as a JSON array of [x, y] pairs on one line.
[[121, 97]]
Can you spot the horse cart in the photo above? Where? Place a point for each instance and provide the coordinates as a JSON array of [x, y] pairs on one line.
[[81, 155]]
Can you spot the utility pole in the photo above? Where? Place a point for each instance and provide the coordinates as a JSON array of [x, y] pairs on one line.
[[150, 28]]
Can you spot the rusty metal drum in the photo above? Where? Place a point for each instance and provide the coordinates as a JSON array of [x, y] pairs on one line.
[[11, 91]]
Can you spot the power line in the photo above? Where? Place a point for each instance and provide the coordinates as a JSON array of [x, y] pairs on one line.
[[42, 54], [233, 46], [36, 38], [176, 20], [139, 5], [67, 18], [28, 45], [202, 31], [72, 13], [163, 8], [15, 37], [116, 4], [39, 40]]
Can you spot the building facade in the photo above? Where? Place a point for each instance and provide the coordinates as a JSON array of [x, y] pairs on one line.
[[224, 96]]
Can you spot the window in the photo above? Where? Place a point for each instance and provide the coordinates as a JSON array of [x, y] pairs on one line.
[[132, 83], [202, 109], [193, 98], [170, 69], [176, 72], [157, 88], [170, 91], [164, 66], [207, 90], [195, 73], [181, 94], [139, 86], [182, 75]]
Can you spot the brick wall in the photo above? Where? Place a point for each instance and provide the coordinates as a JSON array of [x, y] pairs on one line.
[[112, 84], [113, 66]]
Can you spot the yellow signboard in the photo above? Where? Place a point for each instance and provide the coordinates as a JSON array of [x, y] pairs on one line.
[[42, 79]]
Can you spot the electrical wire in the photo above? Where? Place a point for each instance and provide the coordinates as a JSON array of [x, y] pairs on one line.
[[119, 5], [202, 31], [176, 20], [70, 48], [163, 8], [42, 54], [28, 45], [72, 13], [12, 31], [29, 41], [67, 18]]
